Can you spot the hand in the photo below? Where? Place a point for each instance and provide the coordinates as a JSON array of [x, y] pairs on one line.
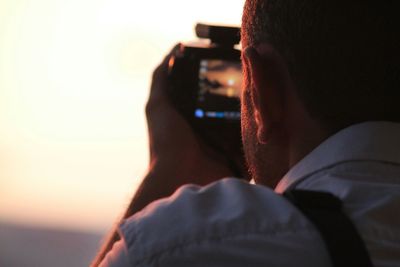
[[174, 148], [177, 155]]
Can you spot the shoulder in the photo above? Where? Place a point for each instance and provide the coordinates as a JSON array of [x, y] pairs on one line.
[[194, 207], [227, 210]]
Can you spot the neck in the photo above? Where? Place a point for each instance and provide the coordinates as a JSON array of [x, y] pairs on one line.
[[303, 143], [305, 133]]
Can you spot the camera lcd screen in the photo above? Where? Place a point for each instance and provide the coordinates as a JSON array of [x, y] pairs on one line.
[[220, 83]]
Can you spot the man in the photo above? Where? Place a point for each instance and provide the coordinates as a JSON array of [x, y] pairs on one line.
[[319, 112]]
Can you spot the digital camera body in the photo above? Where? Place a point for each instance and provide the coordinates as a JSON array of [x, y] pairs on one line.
[[206, 82], [206, 78]]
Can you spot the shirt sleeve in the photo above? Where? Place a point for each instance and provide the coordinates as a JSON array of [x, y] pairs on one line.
[[117, 257]]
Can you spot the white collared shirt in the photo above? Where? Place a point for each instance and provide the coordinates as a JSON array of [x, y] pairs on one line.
[[234, 223]]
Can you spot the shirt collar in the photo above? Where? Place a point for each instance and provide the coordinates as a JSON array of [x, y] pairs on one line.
[[368, 141]]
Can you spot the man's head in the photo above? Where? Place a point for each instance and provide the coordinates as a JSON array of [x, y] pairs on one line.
[[339, 59]]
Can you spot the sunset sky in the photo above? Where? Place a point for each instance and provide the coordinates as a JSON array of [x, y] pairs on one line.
[[74, 78]]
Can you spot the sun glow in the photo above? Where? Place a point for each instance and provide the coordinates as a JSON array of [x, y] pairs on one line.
[[74, 78]]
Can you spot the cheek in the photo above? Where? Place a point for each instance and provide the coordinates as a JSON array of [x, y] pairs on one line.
[[249, 139], [244, 111], [248, 123]]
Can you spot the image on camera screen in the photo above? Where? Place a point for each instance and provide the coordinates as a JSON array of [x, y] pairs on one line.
[[220, 83]]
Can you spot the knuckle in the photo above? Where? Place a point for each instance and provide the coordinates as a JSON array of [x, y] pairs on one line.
[[156, 72], [148, 108], [151, 106]]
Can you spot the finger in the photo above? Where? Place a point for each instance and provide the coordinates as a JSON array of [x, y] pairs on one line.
[[160, 75]]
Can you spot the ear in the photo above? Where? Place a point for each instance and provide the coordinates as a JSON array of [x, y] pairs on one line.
[[266, 81]]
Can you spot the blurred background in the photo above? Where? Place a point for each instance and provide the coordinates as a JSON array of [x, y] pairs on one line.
[[74, 79]]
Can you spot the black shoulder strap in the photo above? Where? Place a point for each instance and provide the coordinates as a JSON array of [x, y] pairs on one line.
[[342, 240]]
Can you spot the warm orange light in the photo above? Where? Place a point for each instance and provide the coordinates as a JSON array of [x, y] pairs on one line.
[[74, 78]]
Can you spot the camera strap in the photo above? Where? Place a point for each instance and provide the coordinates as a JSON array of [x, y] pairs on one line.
[[325, 211]]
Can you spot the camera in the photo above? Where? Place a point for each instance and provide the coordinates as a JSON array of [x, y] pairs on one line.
[[205, 86], [206, 78]]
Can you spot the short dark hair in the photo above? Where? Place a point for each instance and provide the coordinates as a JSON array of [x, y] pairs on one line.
[[342, 55]]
